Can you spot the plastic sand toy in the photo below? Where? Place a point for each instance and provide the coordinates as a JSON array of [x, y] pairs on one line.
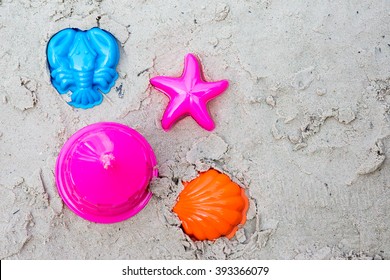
[[211, 206], [188, 94], [83, 62], [103, 172]]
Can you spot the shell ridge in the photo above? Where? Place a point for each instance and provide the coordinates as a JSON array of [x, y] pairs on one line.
[[200, 182]]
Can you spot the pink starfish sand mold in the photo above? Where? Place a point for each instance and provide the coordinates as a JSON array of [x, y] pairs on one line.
[[188, 94]]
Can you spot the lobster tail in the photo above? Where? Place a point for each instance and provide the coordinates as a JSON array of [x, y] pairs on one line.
[[85, 98]]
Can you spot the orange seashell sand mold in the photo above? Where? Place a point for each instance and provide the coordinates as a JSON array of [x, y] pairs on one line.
[[211, 206]]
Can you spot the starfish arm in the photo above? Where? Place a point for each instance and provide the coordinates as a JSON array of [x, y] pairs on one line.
[[192, 71], [201, 115], [170, 86], [177, 109], [209, 90]]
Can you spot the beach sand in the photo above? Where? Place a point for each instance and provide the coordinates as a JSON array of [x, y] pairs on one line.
[[303, 127]]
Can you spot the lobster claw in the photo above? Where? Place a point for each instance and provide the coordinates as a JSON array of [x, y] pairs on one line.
[[106, 46], [58, 48], [57, 53]]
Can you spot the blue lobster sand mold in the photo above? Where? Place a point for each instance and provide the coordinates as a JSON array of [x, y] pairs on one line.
[[83, 62]]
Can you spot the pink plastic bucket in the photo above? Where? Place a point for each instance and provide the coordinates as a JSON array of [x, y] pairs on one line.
[[103, 172]]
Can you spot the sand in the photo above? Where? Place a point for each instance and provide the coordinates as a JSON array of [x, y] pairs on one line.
[[303, 127]]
